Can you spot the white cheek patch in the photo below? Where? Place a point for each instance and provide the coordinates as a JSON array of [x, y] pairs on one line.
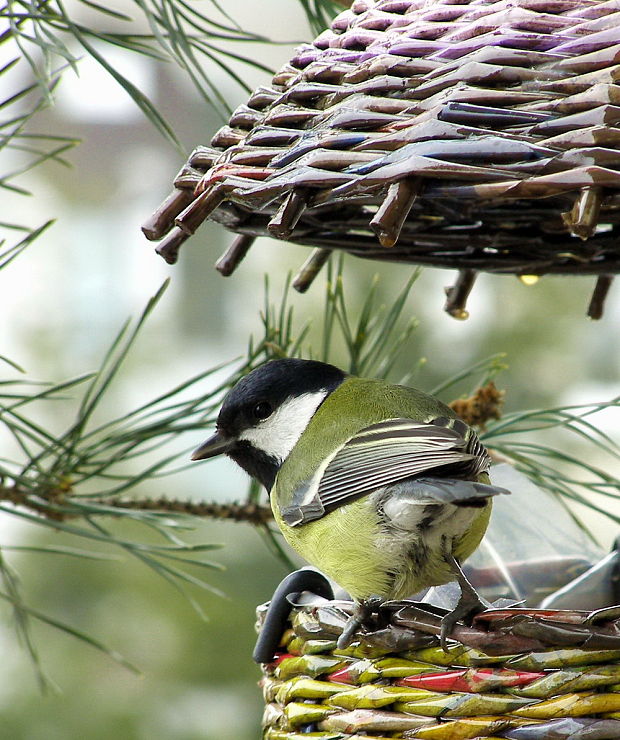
[[277, 435]]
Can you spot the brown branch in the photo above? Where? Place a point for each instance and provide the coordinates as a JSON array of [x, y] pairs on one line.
[[44, 501], [236, 512], [56, 504]]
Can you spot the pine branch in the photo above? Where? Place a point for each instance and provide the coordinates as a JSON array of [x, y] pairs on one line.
[[47, 502], [248, 512], [57, 505], [197, 39]]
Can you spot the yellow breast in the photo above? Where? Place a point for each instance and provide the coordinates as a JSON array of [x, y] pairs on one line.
[[349, 546]]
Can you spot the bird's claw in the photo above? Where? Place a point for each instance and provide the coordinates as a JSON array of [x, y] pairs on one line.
[[465, 610], [361, 616], [469, 604]]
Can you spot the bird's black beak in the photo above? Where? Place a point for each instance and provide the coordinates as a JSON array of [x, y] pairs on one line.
[[215, 445]]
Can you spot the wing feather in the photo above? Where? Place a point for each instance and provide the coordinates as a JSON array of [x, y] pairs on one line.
[[383, 454]]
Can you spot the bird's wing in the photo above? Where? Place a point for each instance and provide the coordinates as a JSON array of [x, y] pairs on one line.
[[383, 454]]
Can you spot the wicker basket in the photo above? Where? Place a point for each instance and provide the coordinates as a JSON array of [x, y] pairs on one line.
[[472, 135], [518, 674]]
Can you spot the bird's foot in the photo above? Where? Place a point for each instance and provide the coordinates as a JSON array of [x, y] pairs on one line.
[[469, 604], [362, 615]]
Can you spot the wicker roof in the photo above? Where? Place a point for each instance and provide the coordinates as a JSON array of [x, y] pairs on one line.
[[472, 135]]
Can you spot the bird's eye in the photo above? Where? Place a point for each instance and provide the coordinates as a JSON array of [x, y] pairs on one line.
[[262, 410]]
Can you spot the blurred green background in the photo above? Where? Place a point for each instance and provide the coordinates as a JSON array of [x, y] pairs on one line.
[[63, 301]]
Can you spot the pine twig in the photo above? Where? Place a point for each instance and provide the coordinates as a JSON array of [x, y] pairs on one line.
[[47, 502], [54, 503], [237, 512]]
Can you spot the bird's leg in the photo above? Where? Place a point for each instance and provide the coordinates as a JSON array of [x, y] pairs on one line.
[[469, 604], [362, 612]]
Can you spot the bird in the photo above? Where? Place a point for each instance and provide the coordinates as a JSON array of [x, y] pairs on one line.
[[379, 486]]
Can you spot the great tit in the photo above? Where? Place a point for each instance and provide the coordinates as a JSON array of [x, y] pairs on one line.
[[381, 487]]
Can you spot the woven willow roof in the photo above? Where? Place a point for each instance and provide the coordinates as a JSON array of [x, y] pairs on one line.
[[472, 135]]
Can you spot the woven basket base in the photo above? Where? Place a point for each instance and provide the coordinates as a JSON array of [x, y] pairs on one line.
[[398, 682]]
